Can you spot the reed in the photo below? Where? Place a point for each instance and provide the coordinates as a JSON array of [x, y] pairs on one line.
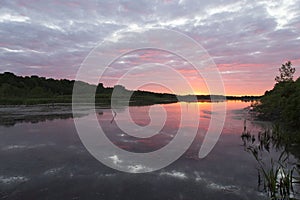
[[277, 177]]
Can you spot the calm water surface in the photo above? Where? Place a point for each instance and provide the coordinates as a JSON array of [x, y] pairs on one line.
[[46, 160]]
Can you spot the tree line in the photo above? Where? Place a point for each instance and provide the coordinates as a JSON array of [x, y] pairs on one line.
[[33, 90], [282, 103]]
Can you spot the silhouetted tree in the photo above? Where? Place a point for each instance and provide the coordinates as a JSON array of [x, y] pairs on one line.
[[282, 103], [286, 73]]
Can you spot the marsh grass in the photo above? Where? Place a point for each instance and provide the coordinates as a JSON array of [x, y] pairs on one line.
[[276, 176]]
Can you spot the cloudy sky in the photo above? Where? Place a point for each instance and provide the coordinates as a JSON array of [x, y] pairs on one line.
[[248, 40]]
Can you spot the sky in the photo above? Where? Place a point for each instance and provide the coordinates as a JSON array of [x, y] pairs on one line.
[[247, 40]]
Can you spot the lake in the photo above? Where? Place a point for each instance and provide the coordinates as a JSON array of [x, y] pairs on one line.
[[45, 159]]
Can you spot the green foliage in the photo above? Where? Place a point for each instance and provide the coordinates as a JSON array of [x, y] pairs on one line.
[[34, 86], [282, 104], [39, 90]]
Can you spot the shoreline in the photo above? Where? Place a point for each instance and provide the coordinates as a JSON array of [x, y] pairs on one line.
[[11, 115]]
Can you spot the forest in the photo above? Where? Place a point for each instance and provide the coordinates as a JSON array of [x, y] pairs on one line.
[[17, 90], [282, 104]]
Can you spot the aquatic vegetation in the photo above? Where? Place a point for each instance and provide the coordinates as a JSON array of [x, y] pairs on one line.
[[276, 176]]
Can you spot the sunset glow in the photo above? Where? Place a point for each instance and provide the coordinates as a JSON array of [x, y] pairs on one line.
[[248, 40]]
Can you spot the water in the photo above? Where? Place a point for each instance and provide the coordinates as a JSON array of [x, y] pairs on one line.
[[46, 160]]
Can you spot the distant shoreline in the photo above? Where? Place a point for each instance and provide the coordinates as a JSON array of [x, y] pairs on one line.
[[14, 114], [34, 90], [106, 102]]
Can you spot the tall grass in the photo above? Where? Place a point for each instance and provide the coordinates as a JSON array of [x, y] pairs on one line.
[[277, 177]]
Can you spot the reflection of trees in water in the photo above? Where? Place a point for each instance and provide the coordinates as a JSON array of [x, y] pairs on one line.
[[11, 121], [278, 174], [10, 116]]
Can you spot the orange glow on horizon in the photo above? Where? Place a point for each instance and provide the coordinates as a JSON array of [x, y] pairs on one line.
[[201, 89]]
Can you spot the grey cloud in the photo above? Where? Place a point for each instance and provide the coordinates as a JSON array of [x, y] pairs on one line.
[[56, 35]]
